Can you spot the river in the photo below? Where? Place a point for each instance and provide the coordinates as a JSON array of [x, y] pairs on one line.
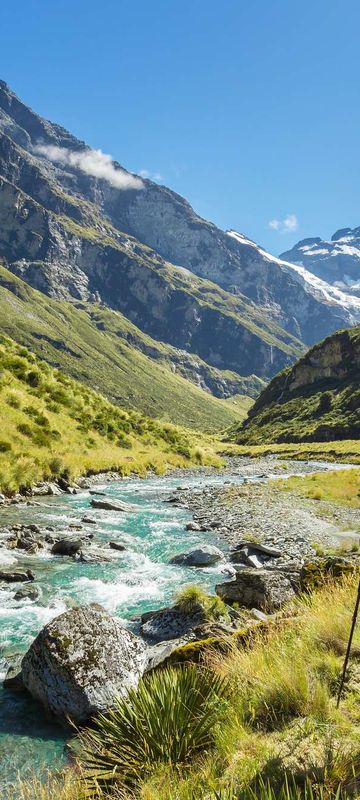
[[136, 580]]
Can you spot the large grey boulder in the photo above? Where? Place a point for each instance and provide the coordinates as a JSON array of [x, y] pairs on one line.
[[202, 556], [81, 661], [265, 589]]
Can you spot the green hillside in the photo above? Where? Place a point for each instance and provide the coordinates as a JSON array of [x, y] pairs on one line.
[[317, 400], [101, 348], [52, 425]]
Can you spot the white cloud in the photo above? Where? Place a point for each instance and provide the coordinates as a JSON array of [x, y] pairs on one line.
[[92, 162], [287, 225], [152, 176]]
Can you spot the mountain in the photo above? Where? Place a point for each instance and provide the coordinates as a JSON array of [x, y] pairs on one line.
[[336, 261], [53, 426], [316, 400], [78, 227]]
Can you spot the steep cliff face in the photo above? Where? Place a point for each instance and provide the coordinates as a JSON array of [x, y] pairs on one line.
[[336, 261], [76, 226], [318, 399]]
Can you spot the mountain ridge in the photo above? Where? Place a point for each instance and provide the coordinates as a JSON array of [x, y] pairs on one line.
[[336, 260]]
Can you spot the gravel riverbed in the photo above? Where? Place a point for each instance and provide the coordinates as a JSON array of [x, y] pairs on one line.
[[259, 510]]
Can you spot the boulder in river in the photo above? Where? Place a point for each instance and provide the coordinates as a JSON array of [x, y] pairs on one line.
[[112, 505], [16, 577], [27, 593], [81, 661], [265, 589], [66, 547], [202, 556], [117, 546]]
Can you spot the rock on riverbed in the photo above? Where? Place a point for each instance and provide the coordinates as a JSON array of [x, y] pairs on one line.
[[81, 661], [265, 589], [203, 556], [112, 505]]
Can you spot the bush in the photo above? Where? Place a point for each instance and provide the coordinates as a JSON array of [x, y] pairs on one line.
[[55, 465], [13, 401], [5, 447], [33, 378], [25, 429], [325, 403], [169, 719]]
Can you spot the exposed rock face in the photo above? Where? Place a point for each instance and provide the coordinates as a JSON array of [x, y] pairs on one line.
[[336, 261], [81, 661], [316, 400], [265, 589], [73, 235], [203, 556]]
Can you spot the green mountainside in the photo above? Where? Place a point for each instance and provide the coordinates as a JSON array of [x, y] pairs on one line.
[[316, 400], [103, 349], [53, 426]]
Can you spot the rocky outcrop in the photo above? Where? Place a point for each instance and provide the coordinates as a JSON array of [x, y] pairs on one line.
[[81, 661], [265, 589]]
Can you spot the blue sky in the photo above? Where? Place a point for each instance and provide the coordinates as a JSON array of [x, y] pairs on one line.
[[248, 108]]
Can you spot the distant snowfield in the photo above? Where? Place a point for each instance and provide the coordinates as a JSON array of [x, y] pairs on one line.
[[317, 286]]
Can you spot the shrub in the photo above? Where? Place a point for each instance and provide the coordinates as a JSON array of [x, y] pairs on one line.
[[5, 447], [25, 429], [13, 401], [55, 465], [33, 378], [325, 403], [169, 719]]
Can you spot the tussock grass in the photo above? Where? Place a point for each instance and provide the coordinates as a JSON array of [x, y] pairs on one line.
[[190, 598]]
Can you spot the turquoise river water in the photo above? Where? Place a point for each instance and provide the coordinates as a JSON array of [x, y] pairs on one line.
[[136, 580]]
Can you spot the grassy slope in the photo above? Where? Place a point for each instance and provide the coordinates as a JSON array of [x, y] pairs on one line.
[[51, 424], [68, 337], [322, 409], [347, 451]]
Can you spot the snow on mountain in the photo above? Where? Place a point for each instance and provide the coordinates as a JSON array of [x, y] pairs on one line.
[[310, 281], [336, 261]]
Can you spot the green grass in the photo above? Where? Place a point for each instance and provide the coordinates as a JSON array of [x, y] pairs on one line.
[[104, 350], [317, 400], [340, 487], [347, 451], [53, 426]]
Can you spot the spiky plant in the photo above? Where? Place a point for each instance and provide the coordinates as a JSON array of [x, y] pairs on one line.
[[288, 791], [168, 720]]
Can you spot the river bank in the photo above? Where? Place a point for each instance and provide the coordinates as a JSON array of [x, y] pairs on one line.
[[135, 576]]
